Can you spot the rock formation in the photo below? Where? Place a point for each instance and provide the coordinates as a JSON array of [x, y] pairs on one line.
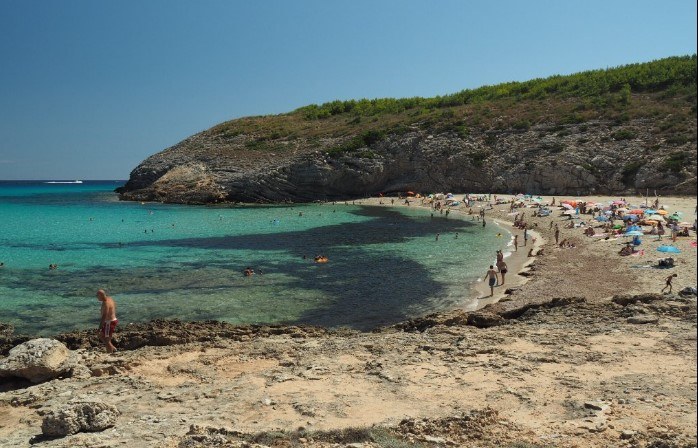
[[37, 360], [88, 416], [573, 159]]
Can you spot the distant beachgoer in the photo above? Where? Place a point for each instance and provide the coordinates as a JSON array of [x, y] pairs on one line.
[[500, 257], [108, 320], [437, 236], [516, 243], [525, 236], [456, 238], [483, 222], [53, 266], [492, 275], [2, 265], [557, 233], [530, 252], [248, 272], [668, 282]]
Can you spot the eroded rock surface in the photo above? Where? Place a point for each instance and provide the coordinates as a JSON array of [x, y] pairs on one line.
[[89, 416], [37, 360]]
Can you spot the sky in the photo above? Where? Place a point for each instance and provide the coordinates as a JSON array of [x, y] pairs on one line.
[[89, 89]]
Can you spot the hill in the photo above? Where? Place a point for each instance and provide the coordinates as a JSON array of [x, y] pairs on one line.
[[611, 131]]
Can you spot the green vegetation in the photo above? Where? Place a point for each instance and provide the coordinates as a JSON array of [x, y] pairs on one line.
[[630, 171], [663, 91], [362, 141], [674, 72], [478, 158], [623, 134], [676, 161]]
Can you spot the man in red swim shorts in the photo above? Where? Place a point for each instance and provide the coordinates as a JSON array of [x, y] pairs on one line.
[[108, 320]]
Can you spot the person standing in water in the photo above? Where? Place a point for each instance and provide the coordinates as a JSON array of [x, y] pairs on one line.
[[108, 320]]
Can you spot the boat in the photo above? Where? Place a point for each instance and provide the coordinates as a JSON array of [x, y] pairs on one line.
[[63, 182]]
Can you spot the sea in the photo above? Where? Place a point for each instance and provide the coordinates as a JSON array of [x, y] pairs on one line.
[[164, 261]]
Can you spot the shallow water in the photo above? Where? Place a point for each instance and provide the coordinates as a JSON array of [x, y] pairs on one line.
[[186, 262]]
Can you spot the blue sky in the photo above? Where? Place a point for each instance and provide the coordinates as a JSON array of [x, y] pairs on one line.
[[88, 89]]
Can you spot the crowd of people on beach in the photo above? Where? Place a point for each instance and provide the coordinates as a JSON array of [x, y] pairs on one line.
[[601, 221]]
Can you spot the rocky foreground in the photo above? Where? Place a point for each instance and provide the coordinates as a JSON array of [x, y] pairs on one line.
[[563, 372]]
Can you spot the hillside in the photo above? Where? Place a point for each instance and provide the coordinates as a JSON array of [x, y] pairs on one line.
[[618, 130]]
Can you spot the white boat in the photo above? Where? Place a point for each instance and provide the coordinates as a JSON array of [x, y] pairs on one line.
[[63, 182]]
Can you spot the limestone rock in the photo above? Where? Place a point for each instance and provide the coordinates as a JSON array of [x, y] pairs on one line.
[[89, 416], [485, 320], [211, 167], [37, 360], [643, 319]]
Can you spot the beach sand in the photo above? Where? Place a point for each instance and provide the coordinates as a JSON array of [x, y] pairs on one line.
[[593, 269], [573, 369]]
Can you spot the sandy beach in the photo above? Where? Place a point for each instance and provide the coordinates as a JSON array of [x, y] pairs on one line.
[[582, 351]]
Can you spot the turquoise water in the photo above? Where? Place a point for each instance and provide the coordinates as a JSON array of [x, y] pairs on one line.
[[186, 262]]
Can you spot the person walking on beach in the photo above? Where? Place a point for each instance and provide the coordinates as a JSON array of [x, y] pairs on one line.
[[516, 243], [557, 233], [525, 236], [502, 266], [108, 320], [492, 275], [668, 282]]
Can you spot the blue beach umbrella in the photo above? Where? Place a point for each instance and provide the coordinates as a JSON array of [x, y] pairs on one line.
[[633, 233], [650, 211], [669, 249], [601, 218]]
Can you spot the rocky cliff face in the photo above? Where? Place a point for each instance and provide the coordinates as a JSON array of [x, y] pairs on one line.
[[585, 158]]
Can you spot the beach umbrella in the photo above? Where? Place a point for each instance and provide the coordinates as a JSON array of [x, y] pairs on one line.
[[650, 211], [618, 202], [630, 218], [568, 206], [658, 218], [601, 218], [633, 233], [636, 211], [662, 212], [634, 227], [669, 249], [568, 212], [622, 209]]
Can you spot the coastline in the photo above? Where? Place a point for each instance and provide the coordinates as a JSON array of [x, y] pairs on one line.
[[478, 292], [562, 361]]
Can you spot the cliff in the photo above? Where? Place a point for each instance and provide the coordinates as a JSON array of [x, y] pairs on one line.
[[616, 141]]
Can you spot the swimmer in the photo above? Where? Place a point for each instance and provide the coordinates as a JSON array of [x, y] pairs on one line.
[[248, 272]]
